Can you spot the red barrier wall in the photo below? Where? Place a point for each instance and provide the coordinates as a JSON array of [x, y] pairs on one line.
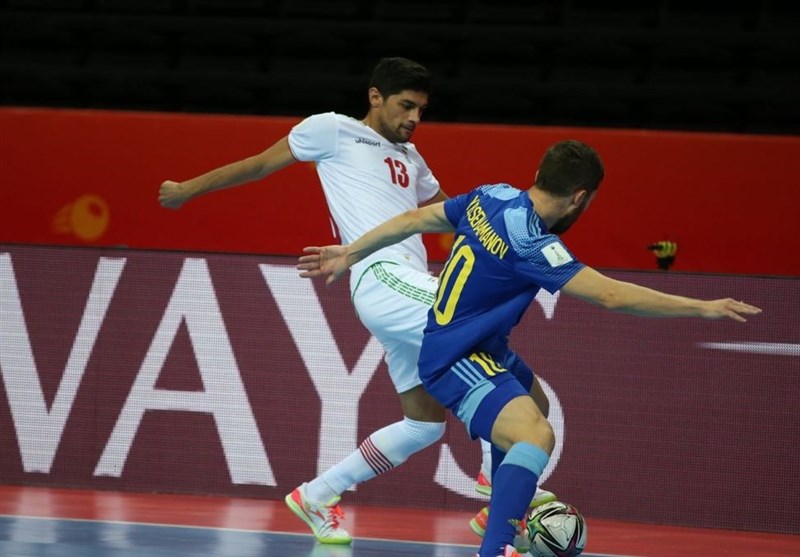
[[91, 178], [227, 374]]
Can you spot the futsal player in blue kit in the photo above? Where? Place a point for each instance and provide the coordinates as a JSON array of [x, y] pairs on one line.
[[506, 248]]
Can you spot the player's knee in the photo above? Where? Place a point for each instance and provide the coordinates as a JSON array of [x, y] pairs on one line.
[[541, 433], [548, 436], [423, 434], [400, 440]]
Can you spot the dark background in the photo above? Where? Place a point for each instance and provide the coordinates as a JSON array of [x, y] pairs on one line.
[[666, 64]]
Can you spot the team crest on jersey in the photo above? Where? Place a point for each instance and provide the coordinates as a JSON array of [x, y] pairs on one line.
[[556, 254], [370, 142]]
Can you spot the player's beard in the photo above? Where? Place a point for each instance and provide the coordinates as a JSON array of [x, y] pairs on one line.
[[565, 223], [395, 134], [400, 135]]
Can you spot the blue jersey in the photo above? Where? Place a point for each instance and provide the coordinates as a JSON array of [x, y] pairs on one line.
[[502, 255]]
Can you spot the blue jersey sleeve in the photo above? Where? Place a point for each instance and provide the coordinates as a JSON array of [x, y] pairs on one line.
[[542, 258], [547, 262], [455, 207]]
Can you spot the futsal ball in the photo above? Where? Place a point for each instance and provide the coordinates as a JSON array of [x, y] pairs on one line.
[[555, 530]]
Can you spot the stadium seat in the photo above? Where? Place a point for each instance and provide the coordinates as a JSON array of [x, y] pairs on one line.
[[309, 53], [52, 6], [600, 109], [513, 61], [497, 55], [416, 11], [707, 16], [520, 12], [137, 7], [226, 7], [621, 14], [689, 113], [129, 46], [217, 92], [220, 46], [500, 105], [694, 61], [780, 16], [321, 9]]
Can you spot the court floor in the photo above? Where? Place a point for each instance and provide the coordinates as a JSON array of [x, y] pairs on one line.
[[48, 522]]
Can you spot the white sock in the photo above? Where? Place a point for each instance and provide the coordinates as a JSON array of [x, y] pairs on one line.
[[486, 459], [379, 453]]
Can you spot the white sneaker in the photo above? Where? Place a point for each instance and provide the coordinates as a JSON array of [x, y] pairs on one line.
[[323, 519]]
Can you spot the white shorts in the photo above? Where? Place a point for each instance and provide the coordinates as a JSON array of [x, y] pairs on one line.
[[392, 301]]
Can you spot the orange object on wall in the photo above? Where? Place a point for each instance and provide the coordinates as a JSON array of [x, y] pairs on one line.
[[80, 177]]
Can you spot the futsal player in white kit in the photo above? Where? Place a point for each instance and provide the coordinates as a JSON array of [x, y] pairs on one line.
[[369, 172]]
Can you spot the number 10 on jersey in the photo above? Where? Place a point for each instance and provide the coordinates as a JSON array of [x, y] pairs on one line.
[[450, 288]]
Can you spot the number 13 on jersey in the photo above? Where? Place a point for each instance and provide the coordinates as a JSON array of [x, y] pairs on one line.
[[399, 172]]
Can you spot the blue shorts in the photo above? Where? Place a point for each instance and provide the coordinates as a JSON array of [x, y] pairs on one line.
[[477, 387]]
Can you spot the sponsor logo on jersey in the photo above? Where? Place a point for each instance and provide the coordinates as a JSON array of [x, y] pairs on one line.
[[370, 142]]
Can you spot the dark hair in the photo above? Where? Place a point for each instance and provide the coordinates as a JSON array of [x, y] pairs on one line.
[[393, 75], [568, 166]]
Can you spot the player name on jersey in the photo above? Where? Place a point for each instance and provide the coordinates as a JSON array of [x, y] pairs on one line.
[[487, 236]]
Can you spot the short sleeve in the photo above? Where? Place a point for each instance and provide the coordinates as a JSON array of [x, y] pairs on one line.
[[547, 262], [455, 207], [315, 138], [427, 184]]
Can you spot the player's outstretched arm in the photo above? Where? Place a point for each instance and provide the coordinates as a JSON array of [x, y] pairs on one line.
[[174, 194], [626, 297], [333, 261], [323, 261]]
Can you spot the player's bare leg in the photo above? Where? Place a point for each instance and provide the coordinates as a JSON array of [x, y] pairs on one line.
[[524, 434], [483, 485], [418, 405]]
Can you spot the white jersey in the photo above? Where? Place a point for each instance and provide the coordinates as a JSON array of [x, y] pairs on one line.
[[367, 180]]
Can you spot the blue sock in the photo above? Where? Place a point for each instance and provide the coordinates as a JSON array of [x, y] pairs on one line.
[[497, 458], [513, 486]]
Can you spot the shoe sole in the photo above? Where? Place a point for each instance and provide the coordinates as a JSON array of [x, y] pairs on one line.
[[299, 513], [475, 527], [481, 532], [519, 547], [487, 491]]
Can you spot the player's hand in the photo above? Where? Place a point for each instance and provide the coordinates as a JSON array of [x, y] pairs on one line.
[[728, 308], [172, 194], [327, 261]]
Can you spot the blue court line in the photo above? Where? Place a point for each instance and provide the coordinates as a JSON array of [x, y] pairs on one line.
[[50, 537]]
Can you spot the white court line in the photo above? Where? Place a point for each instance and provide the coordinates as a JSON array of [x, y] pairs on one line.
[[772, 348], [245, 531]]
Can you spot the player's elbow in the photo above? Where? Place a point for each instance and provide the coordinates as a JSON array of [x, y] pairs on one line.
[[257, 167], [612, 300], [413, 221]]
